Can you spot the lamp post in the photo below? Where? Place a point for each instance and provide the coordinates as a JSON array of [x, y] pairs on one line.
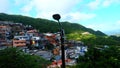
[[57, 17]]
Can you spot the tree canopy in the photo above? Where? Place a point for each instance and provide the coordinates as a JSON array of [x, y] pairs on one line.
[[91, 39], [73, 30], [44, 25], [96, 57], [15, 58]]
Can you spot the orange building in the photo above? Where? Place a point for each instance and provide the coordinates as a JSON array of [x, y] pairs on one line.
[[3, 31], [18, 43], [57, 64], [56, 51], [52, 39]]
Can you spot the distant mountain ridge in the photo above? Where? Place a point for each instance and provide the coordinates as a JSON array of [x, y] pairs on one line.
[[116, 34], [44, 25]]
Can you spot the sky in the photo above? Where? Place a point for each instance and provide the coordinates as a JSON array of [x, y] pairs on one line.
[[103, 15]]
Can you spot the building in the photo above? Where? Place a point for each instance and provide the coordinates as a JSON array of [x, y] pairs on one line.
[[54, 39], [4, 34], [19, 43]]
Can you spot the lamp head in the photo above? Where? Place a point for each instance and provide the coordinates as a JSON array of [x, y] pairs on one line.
[[56, 17]]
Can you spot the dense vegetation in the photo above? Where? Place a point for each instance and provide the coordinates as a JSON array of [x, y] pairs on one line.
[[96, 57], [15, 58], [45, 25], [73, 30], [91, 39], [100, 57]]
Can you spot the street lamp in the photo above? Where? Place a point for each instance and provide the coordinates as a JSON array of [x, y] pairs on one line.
[[57, 17]]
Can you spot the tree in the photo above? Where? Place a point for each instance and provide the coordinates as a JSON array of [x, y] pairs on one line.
[[45, 25], [100, 58], [15, 58]]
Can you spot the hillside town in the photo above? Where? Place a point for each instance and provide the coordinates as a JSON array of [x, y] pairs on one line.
[[46, 45]]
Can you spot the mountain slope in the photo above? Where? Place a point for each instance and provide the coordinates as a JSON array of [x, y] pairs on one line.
[[45, 25]]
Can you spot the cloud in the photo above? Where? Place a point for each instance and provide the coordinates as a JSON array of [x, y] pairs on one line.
[[105, 27], [77, 16], [96, 26], [118, 23], [101, 3], [4, 5], [55, 5], [27, 8], [20, 2], [107, 3], [94, 4], [51, 5], [46, 8]]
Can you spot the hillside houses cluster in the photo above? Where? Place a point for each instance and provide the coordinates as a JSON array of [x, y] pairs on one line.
[[17, 34]]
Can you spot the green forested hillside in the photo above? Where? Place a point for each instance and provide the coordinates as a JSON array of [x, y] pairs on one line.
[[73, 30], [45, 25]]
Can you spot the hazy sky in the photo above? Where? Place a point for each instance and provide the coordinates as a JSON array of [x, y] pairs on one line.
[[101, 15]]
